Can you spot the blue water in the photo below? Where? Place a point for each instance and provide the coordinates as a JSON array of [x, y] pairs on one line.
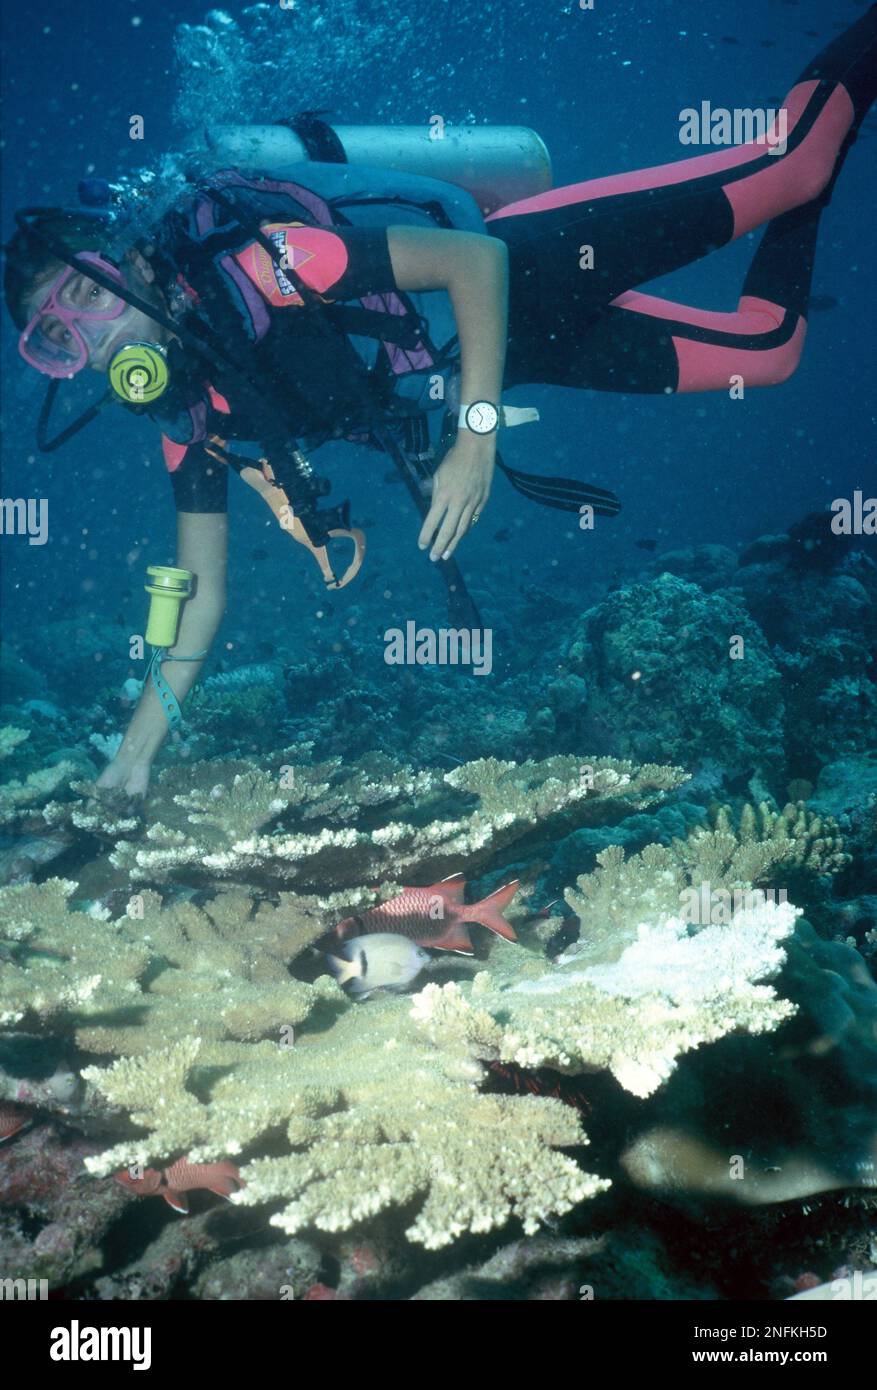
[[604, 90]]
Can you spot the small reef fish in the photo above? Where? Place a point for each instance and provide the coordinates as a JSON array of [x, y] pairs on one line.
[[435, 916], [13, 1119], [384, 960], [181, 1177]]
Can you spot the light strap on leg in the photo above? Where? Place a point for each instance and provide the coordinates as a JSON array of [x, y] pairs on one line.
[[169, 702]]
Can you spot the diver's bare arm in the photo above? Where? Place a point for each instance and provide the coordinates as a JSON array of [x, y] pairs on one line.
[[474, 271], [202, 547]]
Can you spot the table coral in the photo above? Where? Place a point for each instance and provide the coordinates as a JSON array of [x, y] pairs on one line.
[[375, 1116], [157, 973], [19, 798], [664, 994], [622, 891], [346, 825]]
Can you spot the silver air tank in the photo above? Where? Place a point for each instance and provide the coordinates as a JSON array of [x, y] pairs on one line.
[[497, 164]]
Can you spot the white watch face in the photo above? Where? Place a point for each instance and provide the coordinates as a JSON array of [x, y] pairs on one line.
[[482, 417]]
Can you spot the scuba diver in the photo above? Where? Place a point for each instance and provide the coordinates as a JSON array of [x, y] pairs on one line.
[[258, 308]]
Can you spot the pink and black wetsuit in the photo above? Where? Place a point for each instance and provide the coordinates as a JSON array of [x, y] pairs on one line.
[[593, 328]]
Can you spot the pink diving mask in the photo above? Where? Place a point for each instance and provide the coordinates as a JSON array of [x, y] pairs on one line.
[[71, 321]]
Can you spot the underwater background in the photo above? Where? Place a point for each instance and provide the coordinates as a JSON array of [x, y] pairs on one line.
[[612, 718]]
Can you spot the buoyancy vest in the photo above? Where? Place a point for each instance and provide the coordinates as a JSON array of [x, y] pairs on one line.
[[405, 342]]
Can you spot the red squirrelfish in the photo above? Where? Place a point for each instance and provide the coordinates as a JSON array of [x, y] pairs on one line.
[[172, 1183], [435, 916], [12, 1119]]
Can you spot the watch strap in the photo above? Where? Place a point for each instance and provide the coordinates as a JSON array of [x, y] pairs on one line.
[[509, 415]]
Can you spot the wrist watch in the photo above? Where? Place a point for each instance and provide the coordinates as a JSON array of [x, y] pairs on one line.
[[481, 417]]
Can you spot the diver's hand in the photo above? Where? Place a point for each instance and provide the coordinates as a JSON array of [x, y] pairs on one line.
[[127, 775], [460, 489]]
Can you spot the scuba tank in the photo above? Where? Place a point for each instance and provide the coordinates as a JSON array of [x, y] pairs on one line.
[[497, 165]]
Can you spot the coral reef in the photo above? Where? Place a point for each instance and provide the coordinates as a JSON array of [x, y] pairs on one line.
[[709, 566], [639, 989], [371, 819], [376, 1117], [722, 859], [665, 994], [159, 973], [53, 1218], [766, 1120], [85, 652], [220, 1051], [19, 799], [822, 628], [662, 681], [137, 1026], [539, 1267]]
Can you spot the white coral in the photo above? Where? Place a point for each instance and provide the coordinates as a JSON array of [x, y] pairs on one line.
[[715, 961]]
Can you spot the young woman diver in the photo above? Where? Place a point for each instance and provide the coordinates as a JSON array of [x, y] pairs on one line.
[[207, 297]]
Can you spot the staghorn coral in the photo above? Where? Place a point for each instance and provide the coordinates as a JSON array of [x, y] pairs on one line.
[[369, 821], [375, 1117]]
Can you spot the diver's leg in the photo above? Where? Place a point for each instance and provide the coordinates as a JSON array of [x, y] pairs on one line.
[[649, 222], [650, 346], [643, 343]]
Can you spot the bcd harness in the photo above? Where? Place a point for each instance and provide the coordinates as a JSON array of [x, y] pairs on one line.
[[367, 413]]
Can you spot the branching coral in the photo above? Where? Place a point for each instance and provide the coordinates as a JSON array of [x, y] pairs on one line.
[[611, 901], [380, 1105], [187, 997], [159, 972], [375, 1117], [667, 993], [643, 986], [55, 962], [345, 826], [10, 738], [19, 798]]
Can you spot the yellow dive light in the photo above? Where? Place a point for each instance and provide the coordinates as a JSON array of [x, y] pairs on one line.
[[139, 373], [168, 589]]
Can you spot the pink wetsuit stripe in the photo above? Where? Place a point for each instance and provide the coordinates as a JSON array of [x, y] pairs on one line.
[[751, 315], [813, 153], [173, 453], [799, 175], [710, 366]]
